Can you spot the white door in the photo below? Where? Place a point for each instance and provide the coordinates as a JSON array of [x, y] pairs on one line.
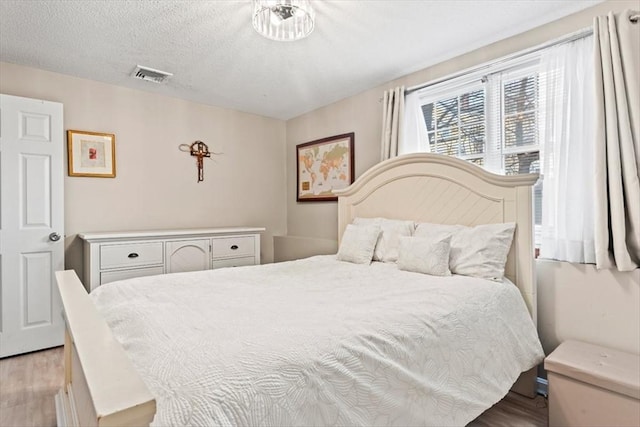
[[31, 224], [187, 255]]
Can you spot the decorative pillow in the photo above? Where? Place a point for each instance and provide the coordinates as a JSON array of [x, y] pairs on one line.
[[388, 243], [358, 243], [424, 255], [481, 251]]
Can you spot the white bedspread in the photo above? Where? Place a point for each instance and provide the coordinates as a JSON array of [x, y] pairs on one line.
[[321, 342]]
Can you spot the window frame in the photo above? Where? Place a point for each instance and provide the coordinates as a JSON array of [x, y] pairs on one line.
[[492, 80]]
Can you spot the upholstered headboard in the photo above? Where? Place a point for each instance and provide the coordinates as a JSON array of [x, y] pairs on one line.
[[445, 190]]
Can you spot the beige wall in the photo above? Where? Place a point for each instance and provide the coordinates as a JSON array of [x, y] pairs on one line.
[[568, 294], [156, 186], [579, 302]]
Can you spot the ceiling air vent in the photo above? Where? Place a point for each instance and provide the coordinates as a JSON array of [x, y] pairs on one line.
[[149, 74]]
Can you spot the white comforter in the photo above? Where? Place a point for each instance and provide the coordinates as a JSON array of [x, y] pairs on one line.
[[321, 342]]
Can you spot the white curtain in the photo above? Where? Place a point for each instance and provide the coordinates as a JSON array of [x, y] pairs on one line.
[[566, 117], [392, 119], [617, 126], [414, 132]]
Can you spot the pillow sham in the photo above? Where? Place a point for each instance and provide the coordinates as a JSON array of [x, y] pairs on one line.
[[392, 229], [358, 243], [479, 251], [424, 255]]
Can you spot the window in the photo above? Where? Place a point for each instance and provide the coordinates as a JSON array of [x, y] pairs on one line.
[[490, 118], [456, 125]]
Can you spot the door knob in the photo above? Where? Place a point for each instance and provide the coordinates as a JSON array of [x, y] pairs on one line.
[[54, 237]]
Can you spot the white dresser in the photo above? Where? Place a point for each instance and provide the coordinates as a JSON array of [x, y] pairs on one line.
[[112, 256]]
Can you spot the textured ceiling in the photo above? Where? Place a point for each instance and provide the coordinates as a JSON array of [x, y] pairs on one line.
[[218, 59]]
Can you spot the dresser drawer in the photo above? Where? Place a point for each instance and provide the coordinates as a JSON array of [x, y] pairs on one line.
[[112, 276], [233, 247], [233, 262], [131, 255]]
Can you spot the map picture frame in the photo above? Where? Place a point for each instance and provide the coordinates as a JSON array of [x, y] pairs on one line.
[[324, 165], [91, 154]]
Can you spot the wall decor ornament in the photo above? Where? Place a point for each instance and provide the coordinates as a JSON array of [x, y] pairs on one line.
[[200, 151], [323, 166], [91, 154]]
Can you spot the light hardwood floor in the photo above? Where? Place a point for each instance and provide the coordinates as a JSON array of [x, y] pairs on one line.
[[28, 384]]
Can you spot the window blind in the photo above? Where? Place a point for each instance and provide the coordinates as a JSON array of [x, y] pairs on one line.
[[490, 118]]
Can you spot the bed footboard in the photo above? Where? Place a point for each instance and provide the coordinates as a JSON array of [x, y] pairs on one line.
[[101, 386]]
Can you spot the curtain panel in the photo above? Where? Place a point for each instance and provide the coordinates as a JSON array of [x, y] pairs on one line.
[[392, 119], [566, 115], [617, 151], [414, 132]]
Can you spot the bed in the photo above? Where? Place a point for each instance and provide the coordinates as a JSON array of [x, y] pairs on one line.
[[277, 346]]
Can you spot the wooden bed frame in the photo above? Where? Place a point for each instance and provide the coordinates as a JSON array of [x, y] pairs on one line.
[[102, 387]]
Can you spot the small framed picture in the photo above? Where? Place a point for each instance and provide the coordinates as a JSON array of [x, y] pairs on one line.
[[91, 154], [323, 166]]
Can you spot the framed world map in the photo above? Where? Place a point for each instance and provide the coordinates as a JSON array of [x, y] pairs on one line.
[[323, 166]]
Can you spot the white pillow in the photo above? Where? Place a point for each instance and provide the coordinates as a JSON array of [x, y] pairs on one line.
[[423, 255], [479, 251], [436, 231], [358, 243], [388, 243]]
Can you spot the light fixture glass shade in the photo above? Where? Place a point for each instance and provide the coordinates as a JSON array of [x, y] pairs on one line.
[[283, 20]]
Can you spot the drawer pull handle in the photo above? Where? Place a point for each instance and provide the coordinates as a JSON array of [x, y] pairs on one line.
[[234, 247], [133, 255]]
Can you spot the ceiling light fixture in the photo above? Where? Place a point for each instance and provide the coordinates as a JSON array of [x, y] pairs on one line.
[[283, 20]]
